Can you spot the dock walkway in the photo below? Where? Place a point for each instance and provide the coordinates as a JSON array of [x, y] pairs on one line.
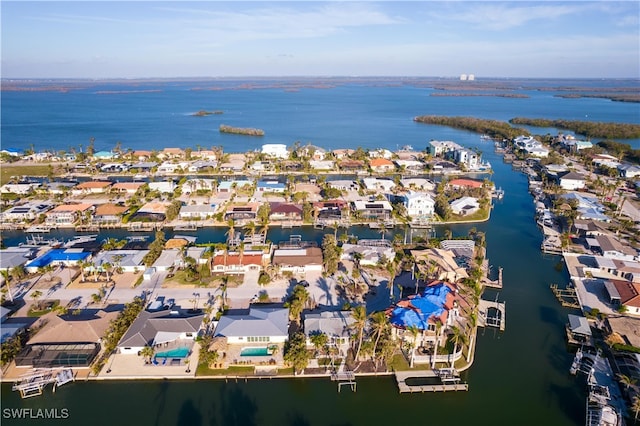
[[498, 320], [446, 383]]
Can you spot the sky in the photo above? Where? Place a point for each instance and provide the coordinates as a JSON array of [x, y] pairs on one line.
[[150, 39]]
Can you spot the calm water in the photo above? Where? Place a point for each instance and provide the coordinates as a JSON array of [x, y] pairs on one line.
[[519, 377]]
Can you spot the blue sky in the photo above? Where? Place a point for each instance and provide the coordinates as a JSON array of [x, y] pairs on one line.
[[416, 38]]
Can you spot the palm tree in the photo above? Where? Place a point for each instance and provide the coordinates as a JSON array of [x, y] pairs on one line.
[[35, 296], [107, 268], [626, 381], [457, 336], [7, 277], [319, 340], [392, 270], [435, 349], [379, 322], [414, 331], [359, 315], [635, 406], [147, 352], [83, 264]]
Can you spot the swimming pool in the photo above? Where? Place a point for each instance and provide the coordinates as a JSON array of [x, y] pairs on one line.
[[57, 255], [174, 353], [263, 351]]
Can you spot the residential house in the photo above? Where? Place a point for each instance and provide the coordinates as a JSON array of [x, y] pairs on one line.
[[164, 187], [114, 167], [340, 154], [419, 205], [228, 186], [171, 154], [343, 185], [465, 183], [589, 206], [71, 340], [247, 211], [371, 252], [418, 184], [285, 211], [531, 146], [91, 187], [578, 330], [605, 160], [322, 164], [56, 257], [169, 167], [352, 166], [381, 165], [232, 166], [614, 249], [25, 212], [197, 211], [312, 152], [12, 152], [470, 159], [104, 155], [336, 325], [236, 263], [299, 260], [59, 188], [259, 329], [464, 206], [68, 214], [19, 188], [128, 260], [193, 185], [442, 148], [155, 211], [414, 166], [200, 165], [205, 154], [376, 184], [275, 150], [262, 166], [128, 188], [573, 144], [141, 155], [161, 330], [12, 257], [373, 210], [629, 171], [572, 181], [439, 263], [269, 185], [624, 293], [330, 209], [169, 258], [143, 166], [381, 153], [108, 214]]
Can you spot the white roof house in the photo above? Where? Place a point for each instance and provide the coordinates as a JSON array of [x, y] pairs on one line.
[[18, 188], [128, 260], [419, 205], [260, 324], [439, 148], [167, 259], [164, 186], [464, 205], [336, 325], [277, 150], [371, 254], [572, 181], [378, 184], [198, 211], [421, 184], [381, 153]]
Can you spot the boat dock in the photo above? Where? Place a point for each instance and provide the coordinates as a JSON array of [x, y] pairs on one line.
[[344, 378], [33, 384], [492, 314], [444, 380], [494, 283], [567, 297]]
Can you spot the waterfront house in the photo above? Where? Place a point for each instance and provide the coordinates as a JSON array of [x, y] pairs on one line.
[[285, 211], [381, 153], [232, 166], [381, 165], [170, 167], [25, 212], [589, 206], [352, 166], [229, 186], [68, 214], [141, 155], [337, 326], [162, 330], [371, 252], [91, 187], [108, 214], [154, 211], [312, 152], [377, 184], [627, 328], [605, 160], [441, 148], [70, 340], [440, 264], [372, 210], [114, 167], [418, 184], [127, 260], [413, 166], [169, 258], [143, 166], [464, 206], [572, 144], [201, 165], [19, 188], [465, 183], [578, 330], [340, 154], [193, 185], [275, 150], [343, 185], [228, 262], [614, 249], [205, 154], [56, 257], [298, 260], [251, 335], [419, 205], [531, 146], [164, 187], [246, 211], [624, 293], [171, 154], [10, 327], [12, 257], [128, 188], [12, 152], [270, 185], [262, 166], [58, 188], [572, 181], [330, 209], [197, 211], [322, 164]]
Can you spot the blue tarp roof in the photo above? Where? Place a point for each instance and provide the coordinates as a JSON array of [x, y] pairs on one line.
[[430, 303]]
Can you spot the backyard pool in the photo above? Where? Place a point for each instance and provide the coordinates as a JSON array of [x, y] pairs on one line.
[[58, 255], [263, 351], [174, 353]]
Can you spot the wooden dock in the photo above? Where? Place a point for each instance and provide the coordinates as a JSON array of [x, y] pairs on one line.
[[444, 383], [33, 384], [494, 283], [344, 378], [485, 320], [567, 296]]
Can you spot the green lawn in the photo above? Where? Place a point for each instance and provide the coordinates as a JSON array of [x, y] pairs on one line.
[[7, 170], [204, 370]]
